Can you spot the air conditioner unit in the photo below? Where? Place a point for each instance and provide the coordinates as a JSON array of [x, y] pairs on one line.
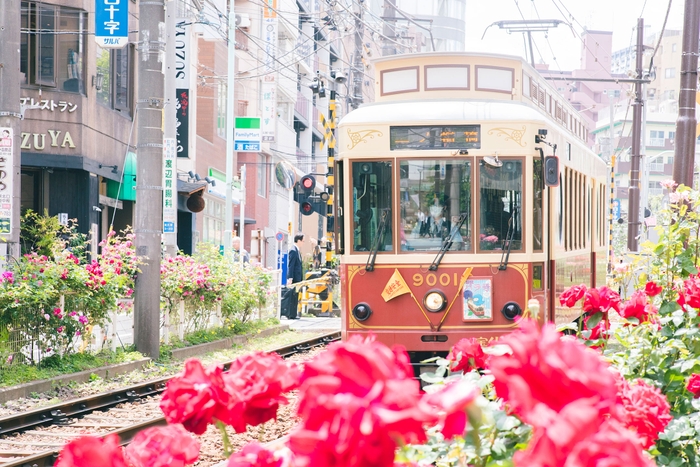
[[243, 20]]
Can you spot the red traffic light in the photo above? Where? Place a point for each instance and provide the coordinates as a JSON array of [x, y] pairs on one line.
[[306, 208], [307, 183]]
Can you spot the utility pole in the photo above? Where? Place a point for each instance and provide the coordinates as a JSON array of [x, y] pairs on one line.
[[357, 75], [230, 123], [10, 116], [637, 107], [241, 225], [169, 128], [389, 48], [149, 207], [684, 156]]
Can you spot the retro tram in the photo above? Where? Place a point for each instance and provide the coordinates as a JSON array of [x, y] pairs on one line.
[[465, 196]]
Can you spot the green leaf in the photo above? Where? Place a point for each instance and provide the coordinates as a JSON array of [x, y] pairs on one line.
[[594, 319], [633, 320], [668, 307]]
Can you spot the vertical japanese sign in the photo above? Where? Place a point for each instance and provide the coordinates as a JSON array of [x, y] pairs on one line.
[[6, 148], [112, 23], [182, 126], [269, 109], [268, 85], [169, 186], [182, 85]]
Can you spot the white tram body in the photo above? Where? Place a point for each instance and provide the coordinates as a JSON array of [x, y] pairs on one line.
[[444, 225]]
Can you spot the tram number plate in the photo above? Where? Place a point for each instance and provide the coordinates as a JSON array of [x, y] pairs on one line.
[[432, 279]]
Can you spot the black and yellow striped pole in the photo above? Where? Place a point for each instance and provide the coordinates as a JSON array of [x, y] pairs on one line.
[[611, 215], [330, 180]]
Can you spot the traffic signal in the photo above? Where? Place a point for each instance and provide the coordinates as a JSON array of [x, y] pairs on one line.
[[309, 202], [307, 184]]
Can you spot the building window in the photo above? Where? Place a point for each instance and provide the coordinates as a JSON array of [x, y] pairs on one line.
[[262, 175], [112, 78], [51, 47], [656, 138], [213, 228], [221, 110], [670, 73], [673, 47]]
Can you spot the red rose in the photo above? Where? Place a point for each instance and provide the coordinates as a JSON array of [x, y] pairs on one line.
[[612, 446], [638, 306], [694, 385], [256, 383], [573, 294], [652, 289], [195, 397], [89, 451], [467, 355], [601, 299], [543, 368], [253, 455], [357, 400], [344, 432], [556, 434], [453, 401], [163, 446], [692, 292], [645, 411]]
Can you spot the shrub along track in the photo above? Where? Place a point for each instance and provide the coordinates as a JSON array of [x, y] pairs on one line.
[[34, 438]]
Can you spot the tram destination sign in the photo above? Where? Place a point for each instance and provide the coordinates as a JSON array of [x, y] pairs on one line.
[[435, 137]]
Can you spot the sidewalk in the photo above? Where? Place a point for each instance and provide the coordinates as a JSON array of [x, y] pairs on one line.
[[309, 324]]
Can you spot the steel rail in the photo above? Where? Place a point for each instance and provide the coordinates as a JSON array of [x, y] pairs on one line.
[[60, 414]]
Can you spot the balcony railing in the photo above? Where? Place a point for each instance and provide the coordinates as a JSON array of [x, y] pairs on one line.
[[301, 107]]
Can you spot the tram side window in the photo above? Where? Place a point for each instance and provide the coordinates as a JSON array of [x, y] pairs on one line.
[[501, 194], [371, 199], [434, 195]]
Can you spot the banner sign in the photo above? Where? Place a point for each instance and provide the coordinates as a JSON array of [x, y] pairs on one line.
[[246, 134], [169, 186], [182, 127], [269, 109], [112, 23], [6, 151]]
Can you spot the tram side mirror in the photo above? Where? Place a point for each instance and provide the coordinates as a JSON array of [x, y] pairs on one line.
[[551, 171]]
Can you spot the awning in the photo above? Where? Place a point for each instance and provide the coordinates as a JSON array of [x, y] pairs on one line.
[[187, 188]]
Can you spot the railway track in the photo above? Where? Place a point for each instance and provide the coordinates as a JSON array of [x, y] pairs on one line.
[[125, 412]]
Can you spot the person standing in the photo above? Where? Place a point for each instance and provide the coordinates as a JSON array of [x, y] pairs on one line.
[[238, 251], [295, 273], [316, 254]]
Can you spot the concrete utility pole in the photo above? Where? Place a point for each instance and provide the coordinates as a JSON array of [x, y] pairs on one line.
[[357, 74], [389, 48], [684, 157], [149, 207], [169, 118], [10, 115], [637, 107], [230, 122]]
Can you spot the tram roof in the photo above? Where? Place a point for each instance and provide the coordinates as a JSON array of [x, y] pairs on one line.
[[447, 111]]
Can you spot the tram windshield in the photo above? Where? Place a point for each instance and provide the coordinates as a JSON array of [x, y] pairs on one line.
[[371, 195], [433, 195], [501, 192]]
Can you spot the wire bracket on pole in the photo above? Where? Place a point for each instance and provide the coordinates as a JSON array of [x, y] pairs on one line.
[[152, 102]]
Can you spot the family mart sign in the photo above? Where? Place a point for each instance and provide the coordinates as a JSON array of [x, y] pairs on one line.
[[246, 134]]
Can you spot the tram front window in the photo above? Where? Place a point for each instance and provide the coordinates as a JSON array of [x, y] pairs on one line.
[[371, 202], [434, 195], [501, 194]]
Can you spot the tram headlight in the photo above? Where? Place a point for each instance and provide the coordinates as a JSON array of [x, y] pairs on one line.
[[435, 301], [511, 310], [361, 312]]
